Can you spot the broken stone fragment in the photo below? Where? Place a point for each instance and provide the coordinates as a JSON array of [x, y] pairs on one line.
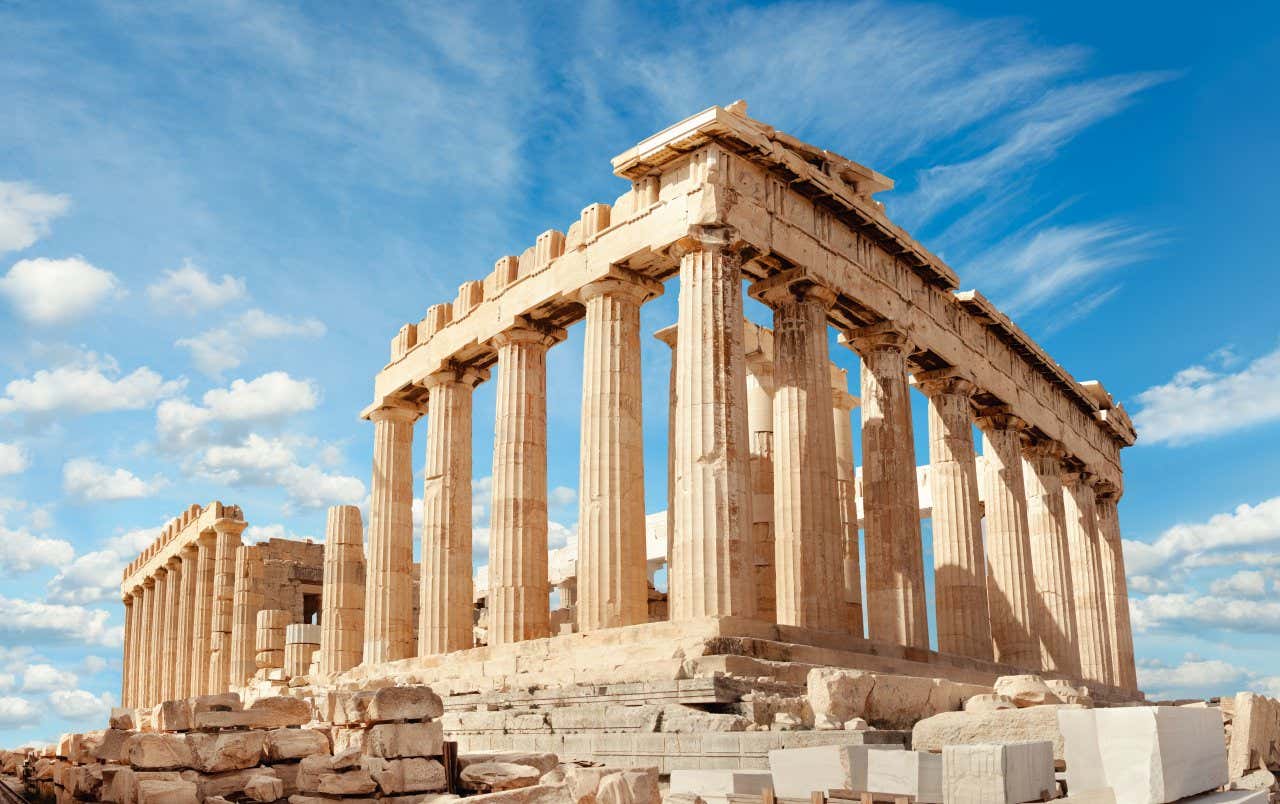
[[225, 751], [1026, 690], [412, 775], [162, 791], [153, 751], [840, 695], [264, 788], [491, 777], [121, 718], [287, 744], [396, 740], [989, 703]]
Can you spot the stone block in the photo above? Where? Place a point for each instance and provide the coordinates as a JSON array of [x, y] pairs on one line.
[[837, 694], [121, 718], [162, 791], [1026, 690], [537, 794], [797, 772], [172, 716], [109, 745], [544, 762], [988, 703], [720, 782], [391, 704], [397, 740], [636, 786], [264, 788], [905, 773], [154, 751], [287, 744], [1008, 773], [491, 777], [226, 751], [355, 782], [285, 710], [1008, 726], [1255, 734], [229, 784], [221, 702], [1231, 797], [413, 775], [1152, 754]]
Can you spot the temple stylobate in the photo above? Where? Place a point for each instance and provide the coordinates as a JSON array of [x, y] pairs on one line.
[[733, 207]]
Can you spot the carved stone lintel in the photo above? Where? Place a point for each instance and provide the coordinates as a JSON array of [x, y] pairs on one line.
[[945, 382], [467, 375], [622, 282], [792, 285], [883, 335], [527, 331]]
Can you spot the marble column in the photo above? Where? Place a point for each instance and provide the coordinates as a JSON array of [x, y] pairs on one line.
[[711, 573], [247, 600], [342, 600], [668, 336], [843, 404], [145, 667], [388, 602], [1086, 577], [227, 541], [613, 587], [128, 669], [202, 614], [186, 623], [808, 541], [760, 426], [890, 498], [1053, 603], [159, 616], [519, 590], [446, 604], [173, 596], [1115, 586], [959, 565], [1010, 585]]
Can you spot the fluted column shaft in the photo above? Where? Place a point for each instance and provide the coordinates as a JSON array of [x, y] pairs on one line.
[[444, 616], [890, 497], [519, 590], [159, 616], [1055, 616], [760, 426], [248, 600], [202, 614], [388, 608], [1010, 586], [960, 572], [1086, 578], [145, 667], [173, 598], [612, 582], [711, 572], [843, 404], [1115, 586], [127, 670], [227, 535], [668, 336], [808, 542], [186, 621], [342, 601]]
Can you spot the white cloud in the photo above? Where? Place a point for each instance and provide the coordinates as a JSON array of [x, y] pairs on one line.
[[13, 459], [1187, 545], [1200, 402], [95, 576], [47, 678], [223, 348], [272, 462], [89, 481], [1193, 674], [7, 682], [46, 291], [16, 712], [25, 214], [182, 425], [93, 664], [87, 384], [36, 623], [312, 487], [22, 551], [81, 705], [1205, 613], [1245, 583], [189, 289], [562, 496]]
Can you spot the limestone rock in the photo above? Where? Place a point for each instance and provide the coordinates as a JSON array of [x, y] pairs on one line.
[[152, 751], [412, 775], [172, 716], [160, 791], [537, 794], [264, 788], [544, 762], [389, 704], [989, 703], [1255, 733], [221, 702], [797, 772], [286, 744], [785, 721], [1068, 693], [1004, 726], [228, 784], [1026, 690], [396, 740], [286, 711], [121, 718], [632, 786], [346, 783], [838, 694], [857, 724], [491, 777], [226, 751], [998, 774], [687, 720]]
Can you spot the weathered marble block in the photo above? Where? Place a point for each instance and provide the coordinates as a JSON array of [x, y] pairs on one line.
[[1008, 773], [797, 772]]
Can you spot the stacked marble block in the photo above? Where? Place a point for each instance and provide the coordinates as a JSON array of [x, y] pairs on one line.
[[301, 641], [388, 744], [269, 641]]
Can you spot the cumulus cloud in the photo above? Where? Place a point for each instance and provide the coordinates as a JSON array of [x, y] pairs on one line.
[[16, 712], [47, 291], [1197, 544], [1205, 613], [47, 678], [562, 496], [1193, 673], [87, 480], [88, 383], [13, 459], [95, 576], [1201, 402], [182, 424], [262, 461], [23, 551], [188, 289], [31, 622], [1245, 583], [78, 704], [221, 349], [25, 214]]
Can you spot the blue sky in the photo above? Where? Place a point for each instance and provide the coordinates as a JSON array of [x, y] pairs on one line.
[[212, 221]]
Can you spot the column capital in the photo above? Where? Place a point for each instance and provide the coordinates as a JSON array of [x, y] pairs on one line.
[[999, 417], [465, 375], [843, 400], [624, 283], [233, 526], [1105, 490], [1078, 477], [148, 582], [882, 336], [530, 332], [668, 335], [207, 538], [949, 381], [392, 409], [188, 552], [173, 563], [1033, 447], [792, 285], [159, 573], [706, 238]]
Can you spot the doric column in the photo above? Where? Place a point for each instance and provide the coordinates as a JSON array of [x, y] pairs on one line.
[[959, 566], [202, 614], [808, 542], [145, 666], [128, 669], [1115, 586], [1053, 604], [186, 623], [342, 598], [227, 541], [711, 573], [668, 336], [519, 590], [446, 604], [612, 583], [173, 597], [890, 498], [388, 601], [247, 602], [1086, 577], [1010, 585], [760, 426], [159, 616], [843, 403]]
